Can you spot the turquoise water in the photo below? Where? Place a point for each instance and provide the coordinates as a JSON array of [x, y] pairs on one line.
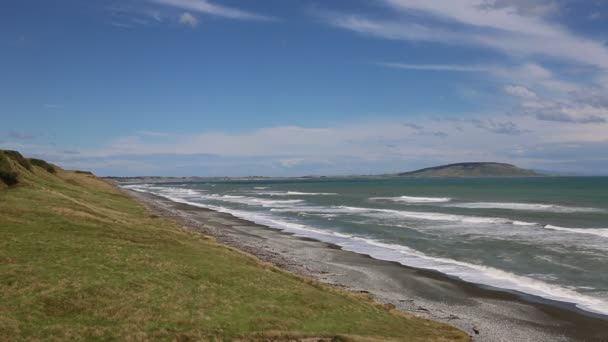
[[541, 236]]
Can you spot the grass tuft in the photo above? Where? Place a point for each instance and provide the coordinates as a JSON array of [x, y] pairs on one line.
[[7, 175], [43, 164], [16, 156]]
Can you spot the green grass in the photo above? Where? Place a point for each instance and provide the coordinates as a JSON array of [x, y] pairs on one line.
[[79, 260]]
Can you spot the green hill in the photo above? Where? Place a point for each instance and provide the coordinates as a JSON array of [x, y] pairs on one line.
[[80, 260], [477, 169]]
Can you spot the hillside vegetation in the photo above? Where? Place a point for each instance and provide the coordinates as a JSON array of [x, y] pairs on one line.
[[80, 260], [480, 169]]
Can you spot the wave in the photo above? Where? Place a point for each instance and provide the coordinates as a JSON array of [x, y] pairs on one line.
[[466, 271], [287, 206], [198, 194], [375, 212], [294, 193], [433, 216], [411, 199], [522, 223], [524, 206], [603, 232]]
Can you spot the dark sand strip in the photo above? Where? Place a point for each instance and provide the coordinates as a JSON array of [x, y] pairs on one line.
[[486, 314]]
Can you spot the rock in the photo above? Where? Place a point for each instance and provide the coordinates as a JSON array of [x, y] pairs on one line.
[[390, 306]]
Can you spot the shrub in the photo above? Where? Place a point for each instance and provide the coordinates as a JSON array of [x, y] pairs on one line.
[[16, 156], [7, 175], [43, 164]]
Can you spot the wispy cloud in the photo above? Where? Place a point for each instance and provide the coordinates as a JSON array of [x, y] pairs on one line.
[[525, 7], [508, 127], [188, 19], [209, 8], [504, 28], [439, 67], [372, 146], [521, 31], [70, 152], [566, 110], [531, 74], [420, 130], [521, 92], [20, 135]]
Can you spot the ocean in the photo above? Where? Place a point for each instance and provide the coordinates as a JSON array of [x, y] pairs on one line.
[[546, 237]]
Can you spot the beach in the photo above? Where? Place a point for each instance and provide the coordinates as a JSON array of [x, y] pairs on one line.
[[485, 313]]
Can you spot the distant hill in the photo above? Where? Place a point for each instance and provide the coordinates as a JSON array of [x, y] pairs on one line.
[[478, 169]]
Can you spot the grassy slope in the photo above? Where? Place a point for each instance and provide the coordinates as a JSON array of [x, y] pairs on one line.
[[80, 260]]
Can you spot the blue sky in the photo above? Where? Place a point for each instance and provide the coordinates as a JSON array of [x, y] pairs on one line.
[[294, 87]]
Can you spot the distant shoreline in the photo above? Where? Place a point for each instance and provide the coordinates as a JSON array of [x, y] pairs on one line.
[[457, 170], [162, 179], [494, 315]]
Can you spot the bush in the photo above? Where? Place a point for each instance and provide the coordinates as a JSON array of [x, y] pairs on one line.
[[16, 156], [43, 164], [84, 172], [7, 175]]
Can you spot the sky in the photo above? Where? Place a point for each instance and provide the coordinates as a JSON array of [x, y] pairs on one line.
[[303, 87]]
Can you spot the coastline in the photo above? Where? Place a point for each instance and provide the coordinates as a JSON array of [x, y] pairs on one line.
[[484, 313]]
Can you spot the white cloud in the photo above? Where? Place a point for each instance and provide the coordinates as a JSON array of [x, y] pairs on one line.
[[187, 18], [439, 67], [531, 74], [502, 28], [207, 7], [391, 29], [364, 147], [381, 143], [568, 110], [521, 92], [525, 7], [519, 29]]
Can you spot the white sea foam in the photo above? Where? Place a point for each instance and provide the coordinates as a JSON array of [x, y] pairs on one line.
[[522, 223], [524, 206], [261, 187], [197, 194], [294, 193], [297, 193], [254, 201], [603, 232], [411, 199], [375, 212], [391, 252]]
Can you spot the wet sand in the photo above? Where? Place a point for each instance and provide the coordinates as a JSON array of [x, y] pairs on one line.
[[486, 314]]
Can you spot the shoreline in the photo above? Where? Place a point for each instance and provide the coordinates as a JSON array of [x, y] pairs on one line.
[[485, 313]]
